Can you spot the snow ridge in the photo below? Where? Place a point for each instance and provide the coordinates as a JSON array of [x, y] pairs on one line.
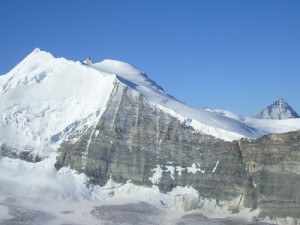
[[44, 99]]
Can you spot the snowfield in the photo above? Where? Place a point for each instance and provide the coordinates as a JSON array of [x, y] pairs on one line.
[[48, 197], [44, 99]]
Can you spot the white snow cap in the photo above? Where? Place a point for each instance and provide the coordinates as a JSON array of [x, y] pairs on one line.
[[279, 110], [44, 99]]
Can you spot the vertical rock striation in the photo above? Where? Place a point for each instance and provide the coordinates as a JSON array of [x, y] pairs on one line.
[[273, 162], [135, 140]]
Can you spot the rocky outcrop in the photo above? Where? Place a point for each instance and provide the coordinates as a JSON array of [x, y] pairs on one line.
[[26, 155], [279, 110], [135, 140], [273, 162]]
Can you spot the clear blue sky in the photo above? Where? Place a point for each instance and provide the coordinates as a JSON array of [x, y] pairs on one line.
[[238, 55]]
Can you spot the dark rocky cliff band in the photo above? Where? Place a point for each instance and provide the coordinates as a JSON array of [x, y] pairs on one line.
[[133, 137]]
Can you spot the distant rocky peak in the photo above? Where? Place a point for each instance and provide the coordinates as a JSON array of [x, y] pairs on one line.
[[88, 61], [279, 110], [36, 50], [281, 103]]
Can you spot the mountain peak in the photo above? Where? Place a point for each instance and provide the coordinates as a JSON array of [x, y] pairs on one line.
[[279, 110], [88, 61], [34, 59], [37, 55], [280, 101], [36, 50]]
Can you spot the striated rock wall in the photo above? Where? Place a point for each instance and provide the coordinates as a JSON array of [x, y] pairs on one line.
[[134, 140], [273, 162]]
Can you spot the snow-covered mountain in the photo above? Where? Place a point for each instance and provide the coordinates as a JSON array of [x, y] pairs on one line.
[[265, 126], [88, 61], [44, 99], [86, 134], [279, 110]]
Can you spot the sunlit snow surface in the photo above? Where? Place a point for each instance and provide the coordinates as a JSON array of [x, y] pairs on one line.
[[34, 193], [266, 126], [44, 99]]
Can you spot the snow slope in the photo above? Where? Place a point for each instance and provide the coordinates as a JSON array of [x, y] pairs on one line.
[[38, 194], [44, 99], [202, 120], [266, 126]]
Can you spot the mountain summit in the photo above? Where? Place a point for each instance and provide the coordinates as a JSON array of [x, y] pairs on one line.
[[89, 136], [279, 110], [88, 61], [66, 97]]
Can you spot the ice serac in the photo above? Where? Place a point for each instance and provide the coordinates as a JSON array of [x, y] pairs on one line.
[[279, 110]]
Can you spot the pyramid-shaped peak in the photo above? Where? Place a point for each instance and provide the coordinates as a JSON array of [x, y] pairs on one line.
[[34, 59], [37, 53], [88, 61], [280, 101], [36, 50], [279, 110]]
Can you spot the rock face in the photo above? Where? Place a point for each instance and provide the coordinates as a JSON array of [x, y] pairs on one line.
[[88, 61], [113, 123], [273, 162], [279, 110], [134, 140], [26, 155]]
